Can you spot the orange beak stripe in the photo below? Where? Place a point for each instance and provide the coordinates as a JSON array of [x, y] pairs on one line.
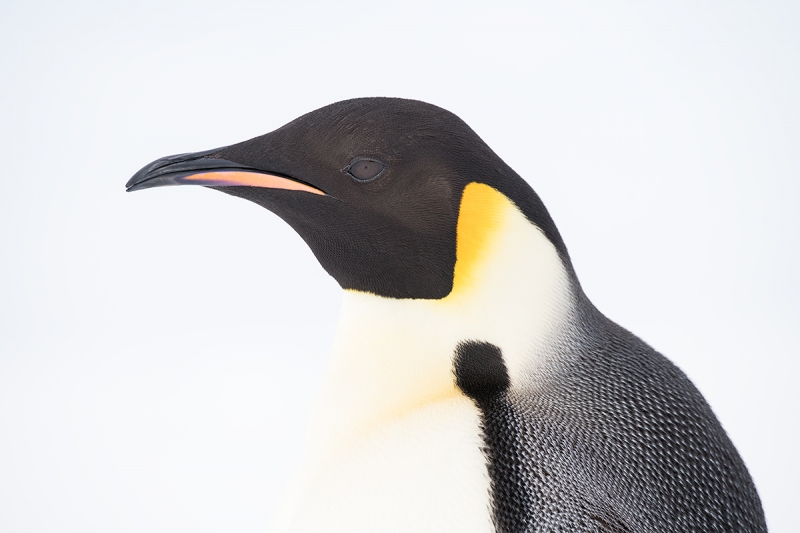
[[249, 179]]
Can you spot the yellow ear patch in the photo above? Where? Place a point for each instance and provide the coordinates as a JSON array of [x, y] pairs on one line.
[[482, 216]]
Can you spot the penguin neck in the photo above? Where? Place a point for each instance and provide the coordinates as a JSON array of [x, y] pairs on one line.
[[392, 357]]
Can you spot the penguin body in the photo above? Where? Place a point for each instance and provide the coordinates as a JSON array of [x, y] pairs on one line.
[[472, 385]]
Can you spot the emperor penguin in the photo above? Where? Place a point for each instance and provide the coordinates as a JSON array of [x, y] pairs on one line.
[[472, 387]]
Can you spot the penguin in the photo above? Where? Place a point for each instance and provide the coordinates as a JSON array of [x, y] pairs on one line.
[[472, 386]]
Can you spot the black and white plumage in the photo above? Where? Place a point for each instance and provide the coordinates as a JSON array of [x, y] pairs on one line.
[[473, 386]]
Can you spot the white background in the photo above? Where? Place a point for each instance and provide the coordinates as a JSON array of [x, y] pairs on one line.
[[159, 350]]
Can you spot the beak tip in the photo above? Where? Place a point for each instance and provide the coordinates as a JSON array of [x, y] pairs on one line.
[[138, 179], [133, 186], [147, 182]]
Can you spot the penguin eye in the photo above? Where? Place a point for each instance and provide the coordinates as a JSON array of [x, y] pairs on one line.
[[365, 169]]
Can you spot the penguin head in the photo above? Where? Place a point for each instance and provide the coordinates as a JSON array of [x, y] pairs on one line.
[[375, 186]]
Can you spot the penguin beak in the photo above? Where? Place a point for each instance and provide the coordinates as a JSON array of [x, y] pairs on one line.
[[200, 169]]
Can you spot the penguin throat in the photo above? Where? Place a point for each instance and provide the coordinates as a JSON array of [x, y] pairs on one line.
[[394, 357]]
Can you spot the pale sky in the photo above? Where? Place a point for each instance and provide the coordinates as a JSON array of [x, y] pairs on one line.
[[159, 351]]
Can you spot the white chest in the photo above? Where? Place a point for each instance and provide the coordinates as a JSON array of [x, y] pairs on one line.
[[422, 472]]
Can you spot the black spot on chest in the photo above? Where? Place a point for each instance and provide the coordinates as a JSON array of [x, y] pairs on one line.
[[479, 369]]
